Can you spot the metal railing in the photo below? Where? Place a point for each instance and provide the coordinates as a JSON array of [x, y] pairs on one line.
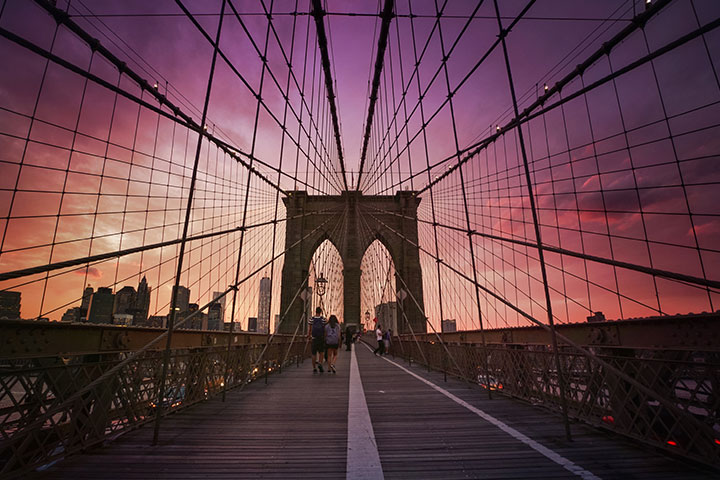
[[52, 406], [666, 398]]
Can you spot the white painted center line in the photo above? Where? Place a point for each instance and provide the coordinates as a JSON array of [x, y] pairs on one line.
[[542, 449], [363, 459]]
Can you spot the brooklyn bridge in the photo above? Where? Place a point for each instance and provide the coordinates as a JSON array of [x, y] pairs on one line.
[[511, 207]]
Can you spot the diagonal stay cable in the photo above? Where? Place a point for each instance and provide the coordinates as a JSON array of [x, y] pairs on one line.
[[386, 15], [367, 235], [419, 307], [61, 17], [531, 111], [584, 351], [638, 22], [186, 227], [128, 251], [318, 13], [297, 293], [234, 69], [38, 422]]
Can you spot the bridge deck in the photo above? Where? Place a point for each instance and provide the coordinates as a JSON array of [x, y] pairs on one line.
[[297, 427]]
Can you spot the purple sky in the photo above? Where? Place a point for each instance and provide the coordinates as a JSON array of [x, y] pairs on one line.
[[652, 151]]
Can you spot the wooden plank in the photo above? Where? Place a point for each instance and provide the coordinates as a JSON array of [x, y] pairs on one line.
[[296, 427]]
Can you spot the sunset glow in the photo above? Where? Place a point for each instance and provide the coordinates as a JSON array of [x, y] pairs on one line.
[[622, 152]]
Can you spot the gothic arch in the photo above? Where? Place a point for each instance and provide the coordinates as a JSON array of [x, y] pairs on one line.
[[391, 219]]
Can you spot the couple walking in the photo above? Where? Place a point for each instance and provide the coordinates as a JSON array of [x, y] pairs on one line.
[[325, 337]]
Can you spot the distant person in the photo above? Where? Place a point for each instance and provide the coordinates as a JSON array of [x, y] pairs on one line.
[[349, 334], [316, 335], [387, 336], [379, 337], [332, 341]]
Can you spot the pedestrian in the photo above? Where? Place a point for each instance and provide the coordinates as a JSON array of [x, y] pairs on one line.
[[316, 335], [332, 341], [349, 334], [379, 337], [386, 340]]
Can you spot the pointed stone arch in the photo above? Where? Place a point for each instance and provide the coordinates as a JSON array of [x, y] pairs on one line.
[[378, 280], [392, 219], [326, 261]]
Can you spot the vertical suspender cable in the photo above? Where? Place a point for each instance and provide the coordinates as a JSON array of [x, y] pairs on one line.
[[467, 211], [188, 210], [538, 239]]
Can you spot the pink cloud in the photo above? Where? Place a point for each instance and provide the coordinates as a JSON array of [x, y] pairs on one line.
[[92, 272]]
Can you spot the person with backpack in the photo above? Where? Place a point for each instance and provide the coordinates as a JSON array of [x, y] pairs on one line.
[[316, 335], [332, 341], [387, 337]]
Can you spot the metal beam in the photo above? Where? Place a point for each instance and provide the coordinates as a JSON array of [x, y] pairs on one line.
[[693, 331], [128, 251], [26, 338]]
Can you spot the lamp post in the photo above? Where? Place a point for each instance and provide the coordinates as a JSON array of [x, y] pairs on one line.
[[367, 319], [320, 285]]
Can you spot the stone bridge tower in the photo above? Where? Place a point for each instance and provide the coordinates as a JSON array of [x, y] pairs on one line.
[[352, 222]]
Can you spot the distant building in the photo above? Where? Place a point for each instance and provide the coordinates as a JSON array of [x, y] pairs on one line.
[[216, 296], [142, 303], [277, 322], [263, 318], [85, 303], [386, 314], [448, 326], [71, 315], [101, 305], [10, 305], [157, 321], [124, 319], [183, 298], [597, 317], [252, 324], [194, 323], [214, 317], [124, 301]]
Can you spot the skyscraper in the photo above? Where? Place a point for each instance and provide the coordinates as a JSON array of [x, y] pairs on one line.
[[124, 300], [263, 318], [221, 302], [183, 298], [85, 304], [100, 309], [142, 303], [214, 317], [10, 305], [194, 323]]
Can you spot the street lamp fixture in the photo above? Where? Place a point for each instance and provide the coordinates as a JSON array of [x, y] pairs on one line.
[[320, 285]]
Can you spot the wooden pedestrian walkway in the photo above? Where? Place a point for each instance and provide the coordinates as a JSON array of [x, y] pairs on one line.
[[420, 426]]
